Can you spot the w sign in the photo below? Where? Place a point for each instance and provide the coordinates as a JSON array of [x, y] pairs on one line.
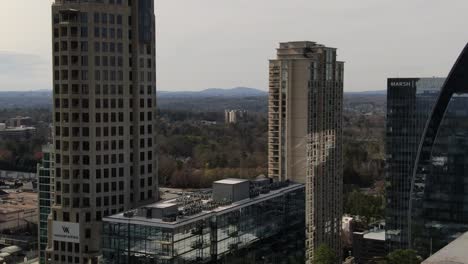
[[66, 229], [66, 232]]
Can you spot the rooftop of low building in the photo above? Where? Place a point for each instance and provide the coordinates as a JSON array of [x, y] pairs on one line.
[[18, 201], [17, 129], [376, 232], [454, 253], [197, 205]]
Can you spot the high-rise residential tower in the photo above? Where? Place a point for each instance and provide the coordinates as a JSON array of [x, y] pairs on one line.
[[305, 134], [427, 153], [104, 119]]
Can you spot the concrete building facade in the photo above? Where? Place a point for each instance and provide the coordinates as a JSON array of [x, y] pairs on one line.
[[104, 119], [305, 134]]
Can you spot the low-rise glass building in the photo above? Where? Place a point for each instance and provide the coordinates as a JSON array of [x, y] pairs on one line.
[[237, 222]]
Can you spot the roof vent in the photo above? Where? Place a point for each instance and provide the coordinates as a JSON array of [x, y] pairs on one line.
[[128, 214]]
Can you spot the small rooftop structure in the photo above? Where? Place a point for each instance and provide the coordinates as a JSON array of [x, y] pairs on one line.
[[11, 250], [454, 253], [230, 181], [375, 235], [159, 210], [28, 187], [3, 194], [376, 232], [20, 121], [231, 190]]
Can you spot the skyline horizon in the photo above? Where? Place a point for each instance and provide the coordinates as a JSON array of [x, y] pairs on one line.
[[222, 44], [202, 90]]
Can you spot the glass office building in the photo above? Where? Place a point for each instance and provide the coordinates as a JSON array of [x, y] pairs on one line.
[[266, 226], [45, 171], [427, 175], [409, 103]]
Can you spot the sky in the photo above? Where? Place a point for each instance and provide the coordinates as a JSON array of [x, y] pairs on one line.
[[227, 43]]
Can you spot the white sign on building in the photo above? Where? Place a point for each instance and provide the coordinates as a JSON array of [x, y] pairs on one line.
[[67, 232]]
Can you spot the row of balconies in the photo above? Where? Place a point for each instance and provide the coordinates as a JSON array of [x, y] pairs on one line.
[[273, 173], [274, 153], [274, 160], [273, 121], [73, 75], [63, 61], [273, 141], [65, 31], [199, 244], [274, 89], [273, 134]]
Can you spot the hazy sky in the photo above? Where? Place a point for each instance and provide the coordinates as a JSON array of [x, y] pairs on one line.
[[227, 43]]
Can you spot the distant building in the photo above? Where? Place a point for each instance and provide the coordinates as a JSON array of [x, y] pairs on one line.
[[347, 231], [369, 245], [16, 133], [30, 186], [427, 150], [20, 121], [349, 260], [305, 134], [238, 222], [234, 116], [13, 176], [454, 253], [12, 254], [45, 175], [208, 123], [18, 211]]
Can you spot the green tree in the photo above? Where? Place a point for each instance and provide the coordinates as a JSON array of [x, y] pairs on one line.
[[368, 206], [402, 256], [324, 255]]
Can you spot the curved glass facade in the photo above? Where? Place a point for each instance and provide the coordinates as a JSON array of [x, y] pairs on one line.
[[438, 210], [427, 160], [439, 199]]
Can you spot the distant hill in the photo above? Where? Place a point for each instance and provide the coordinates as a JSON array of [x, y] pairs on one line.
[[378, 92], [35, 93], [213, 99], [26, 99], [215, 92]]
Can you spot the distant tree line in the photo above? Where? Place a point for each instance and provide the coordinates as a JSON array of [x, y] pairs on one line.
[[21, 155], [192, 154]]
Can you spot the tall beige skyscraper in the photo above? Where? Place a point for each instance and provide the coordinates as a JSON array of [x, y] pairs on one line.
[[104, 119], [305, 134]]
